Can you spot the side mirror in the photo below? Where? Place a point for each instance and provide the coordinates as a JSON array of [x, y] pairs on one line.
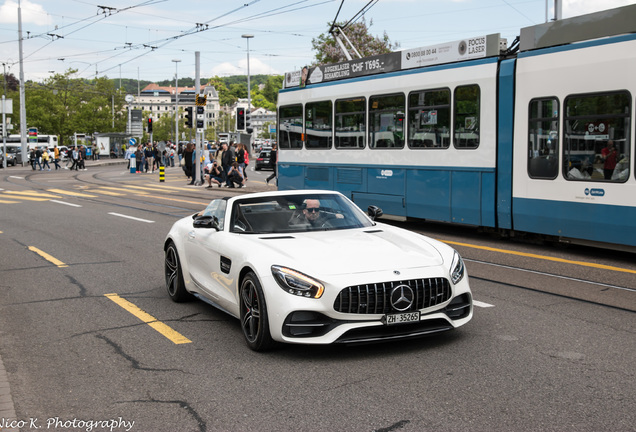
[[374, 212], [206, 222]]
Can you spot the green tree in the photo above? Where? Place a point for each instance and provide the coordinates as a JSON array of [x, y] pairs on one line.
[[62, 105], [258, 101], [10, 82], [238, 90], [270, 90], [264, 133], [328, 51], [225, 98]]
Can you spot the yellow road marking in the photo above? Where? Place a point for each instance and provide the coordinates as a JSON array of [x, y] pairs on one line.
[[180, 200], [543, 257], [32, 193], [123, 189], [106, 192], [141, 192], [26, 198], [9, 202], [159, 188], [47, 257], [63, 192], [171, 188], [162, 328]]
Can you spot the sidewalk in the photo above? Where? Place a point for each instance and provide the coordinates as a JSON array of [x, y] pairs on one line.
[[7, 410]]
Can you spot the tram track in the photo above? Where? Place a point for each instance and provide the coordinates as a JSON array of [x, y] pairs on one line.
[[585, 274], [587, 291], [568, 278]]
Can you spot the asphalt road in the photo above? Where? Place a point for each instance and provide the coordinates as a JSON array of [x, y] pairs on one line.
[[543, 353]]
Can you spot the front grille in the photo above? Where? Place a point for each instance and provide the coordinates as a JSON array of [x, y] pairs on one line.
[[376, 298]]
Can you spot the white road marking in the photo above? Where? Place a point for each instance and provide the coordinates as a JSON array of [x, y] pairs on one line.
[[66, 203], [131, 217], [482, 304]]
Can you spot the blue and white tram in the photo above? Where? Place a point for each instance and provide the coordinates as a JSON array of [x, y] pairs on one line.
[[539, 142]]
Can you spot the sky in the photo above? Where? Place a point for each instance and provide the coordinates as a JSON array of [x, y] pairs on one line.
[[141, 39]]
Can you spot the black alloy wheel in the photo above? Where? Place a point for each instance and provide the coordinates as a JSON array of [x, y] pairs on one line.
[[254, 321], [174, 277]]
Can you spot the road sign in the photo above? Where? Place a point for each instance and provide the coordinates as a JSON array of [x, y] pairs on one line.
[[32, 135], [132, 142], [200, 99]]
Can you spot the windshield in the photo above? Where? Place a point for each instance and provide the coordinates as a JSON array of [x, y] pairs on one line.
[[216, 209], [296, 213]]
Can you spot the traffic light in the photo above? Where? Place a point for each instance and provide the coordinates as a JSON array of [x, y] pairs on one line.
[[149, 125], [188, 117], [248, 122], [240, 119], [200, 116]]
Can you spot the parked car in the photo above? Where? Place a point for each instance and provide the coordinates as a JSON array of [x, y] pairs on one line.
[[310, 267], [262, 161], [11, 158], [16, 152]]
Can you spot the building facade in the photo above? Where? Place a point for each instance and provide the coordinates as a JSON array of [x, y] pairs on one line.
[[160, 101]]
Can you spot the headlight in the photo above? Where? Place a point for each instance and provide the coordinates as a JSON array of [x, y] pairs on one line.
[[457, 269], [297, 283]]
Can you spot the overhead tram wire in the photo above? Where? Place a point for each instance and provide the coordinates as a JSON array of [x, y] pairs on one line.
[[360, 13], [154, 45], [198, 29], [145, 3], [335, 20], [167, 41]]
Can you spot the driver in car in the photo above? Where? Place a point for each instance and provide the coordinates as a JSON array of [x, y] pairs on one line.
[[311, 211], [313, 215]]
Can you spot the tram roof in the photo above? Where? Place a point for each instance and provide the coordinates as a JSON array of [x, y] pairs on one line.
[[596, 25]]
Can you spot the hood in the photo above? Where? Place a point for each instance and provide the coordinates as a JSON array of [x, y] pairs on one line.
[[352, 251]]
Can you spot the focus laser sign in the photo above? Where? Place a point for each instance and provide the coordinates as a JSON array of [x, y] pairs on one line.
[[465, 49]]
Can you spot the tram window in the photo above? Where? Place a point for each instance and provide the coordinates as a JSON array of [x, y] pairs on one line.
[[386, 121], [600, 123], [466, 119], [543, 138], [350, 123], [290, 127], [429, 119], [318, 128]]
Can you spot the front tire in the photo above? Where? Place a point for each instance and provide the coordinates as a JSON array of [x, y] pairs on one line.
[[254, 319], [174, 276]]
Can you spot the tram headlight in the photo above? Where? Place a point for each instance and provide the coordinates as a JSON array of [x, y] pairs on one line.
[[457, 268]]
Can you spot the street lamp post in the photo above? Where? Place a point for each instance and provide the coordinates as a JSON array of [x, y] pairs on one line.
[[249, 96], [176, 103]]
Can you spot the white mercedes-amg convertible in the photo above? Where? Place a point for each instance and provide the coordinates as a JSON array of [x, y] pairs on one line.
[[311, 267]]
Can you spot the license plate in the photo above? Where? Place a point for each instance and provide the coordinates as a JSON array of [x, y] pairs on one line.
[[402, 318]]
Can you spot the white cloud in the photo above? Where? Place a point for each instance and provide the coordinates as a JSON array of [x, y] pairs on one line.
[[573, 8], [257, 67], [32, 13]]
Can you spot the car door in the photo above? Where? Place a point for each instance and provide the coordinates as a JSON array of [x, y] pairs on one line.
[[202, 251]]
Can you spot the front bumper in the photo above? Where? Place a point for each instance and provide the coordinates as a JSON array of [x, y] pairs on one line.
[[308, 326], [361, 319]]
